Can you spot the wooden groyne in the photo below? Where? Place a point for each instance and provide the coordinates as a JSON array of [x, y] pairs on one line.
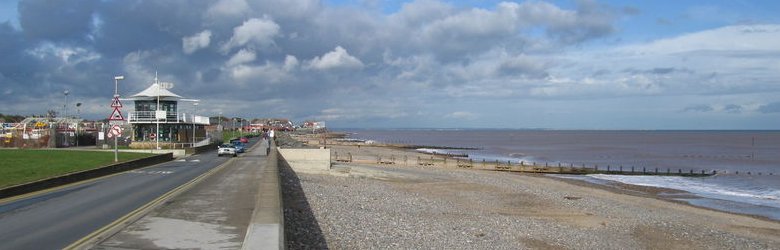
[[521, 166]]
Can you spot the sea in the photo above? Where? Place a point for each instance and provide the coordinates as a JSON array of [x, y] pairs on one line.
[[747, 163]]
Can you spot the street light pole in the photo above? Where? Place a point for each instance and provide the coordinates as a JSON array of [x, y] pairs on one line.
[[116, 95], [156, 118], [78, 117], [66, 92], [195, 110], [65, 119]]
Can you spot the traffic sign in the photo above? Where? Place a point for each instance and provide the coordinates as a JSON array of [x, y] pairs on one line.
[[116, 115], [116, 103], [152, 135], [115, 130]]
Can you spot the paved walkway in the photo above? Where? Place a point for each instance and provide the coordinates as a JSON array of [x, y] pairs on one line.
[[214, 214]]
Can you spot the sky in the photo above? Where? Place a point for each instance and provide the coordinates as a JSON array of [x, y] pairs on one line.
[[405, 64]]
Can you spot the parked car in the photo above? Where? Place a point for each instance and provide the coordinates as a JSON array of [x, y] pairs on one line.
[[240, 148], [226, 149], [244, 140]]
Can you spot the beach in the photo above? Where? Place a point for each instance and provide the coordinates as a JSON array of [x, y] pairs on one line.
[[371, 206]]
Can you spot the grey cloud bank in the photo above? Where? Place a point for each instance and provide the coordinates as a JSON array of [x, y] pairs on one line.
[[428, 64]]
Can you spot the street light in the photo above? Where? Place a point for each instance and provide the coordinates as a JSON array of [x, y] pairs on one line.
[[66, 92], [78, 116], [194, 111], [65, 135]]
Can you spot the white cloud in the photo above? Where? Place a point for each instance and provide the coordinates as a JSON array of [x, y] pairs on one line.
[[241, 57], [726, 60], [67, 54], [268, 72], [724, 39], [195, 42], [464, 115], [254, 33], [290, 62], [339, 58], [359, 113]]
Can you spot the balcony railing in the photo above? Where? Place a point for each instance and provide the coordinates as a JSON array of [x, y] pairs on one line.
[[169, 117]]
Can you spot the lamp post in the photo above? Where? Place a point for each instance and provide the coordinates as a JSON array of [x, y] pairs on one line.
[[65, 119], [194, 111], [116, 95], [78, 116], [66, 92], [156, 114]]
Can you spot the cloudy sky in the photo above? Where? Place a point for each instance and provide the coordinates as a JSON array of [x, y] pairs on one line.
[[406, 64]]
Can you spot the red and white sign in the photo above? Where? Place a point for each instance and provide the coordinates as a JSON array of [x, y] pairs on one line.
[[115, 130], [152, 135], [116, 115], [116, 103]]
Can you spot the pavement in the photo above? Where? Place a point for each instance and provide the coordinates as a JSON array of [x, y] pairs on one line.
[[213, 214]]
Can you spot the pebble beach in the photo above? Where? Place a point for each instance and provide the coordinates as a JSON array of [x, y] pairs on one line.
[[366, 206]]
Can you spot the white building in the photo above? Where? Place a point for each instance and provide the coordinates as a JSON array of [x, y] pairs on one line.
[[167, 124]]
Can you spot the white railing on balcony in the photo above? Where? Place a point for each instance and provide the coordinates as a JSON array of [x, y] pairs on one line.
[[168, 117]]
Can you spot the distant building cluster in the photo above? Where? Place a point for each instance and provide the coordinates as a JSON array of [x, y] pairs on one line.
[[265, 124], [49, 132], [313, 125]]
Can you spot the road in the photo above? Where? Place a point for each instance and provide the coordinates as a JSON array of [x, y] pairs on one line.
[[55, 219]]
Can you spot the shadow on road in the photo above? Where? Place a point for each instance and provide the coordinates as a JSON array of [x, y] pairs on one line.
[[301, 229]]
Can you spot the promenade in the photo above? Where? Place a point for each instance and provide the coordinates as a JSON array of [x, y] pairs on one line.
[[214, 214]]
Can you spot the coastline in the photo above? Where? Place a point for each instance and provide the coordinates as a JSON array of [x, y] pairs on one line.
[[659, 193], [558, 212], [674, 194]]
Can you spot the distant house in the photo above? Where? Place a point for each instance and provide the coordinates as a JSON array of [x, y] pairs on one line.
[[313, 125], [175, 127], [279, 124]]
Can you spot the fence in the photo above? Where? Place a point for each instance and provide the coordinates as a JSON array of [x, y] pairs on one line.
[[522, 166]]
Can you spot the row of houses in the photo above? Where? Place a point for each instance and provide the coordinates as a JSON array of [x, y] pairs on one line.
[[265, 124]]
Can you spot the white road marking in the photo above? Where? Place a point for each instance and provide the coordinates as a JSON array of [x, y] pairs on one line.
[[160, 172]]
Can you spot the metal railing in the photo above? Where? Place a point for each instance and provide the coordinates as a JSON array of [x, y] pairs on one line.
[[170, 117]]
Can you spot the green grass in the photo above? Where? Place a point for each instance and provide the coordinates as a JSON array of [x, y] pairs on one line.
[[18, 166]]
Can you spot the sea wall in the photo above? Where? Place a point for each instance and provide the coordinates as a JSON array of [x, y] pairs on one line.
[[306, 159], [266, 228]]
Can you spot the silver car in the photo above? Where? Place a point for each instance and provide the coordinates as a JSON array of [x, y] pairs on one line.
[[226, 149]]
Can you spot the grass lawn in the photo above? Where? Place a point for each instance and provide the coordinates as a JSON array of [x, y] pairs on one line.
[[19, 166]]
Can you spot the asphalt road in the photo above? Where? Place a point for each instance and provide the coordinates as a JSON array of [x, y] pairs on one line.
[[55, 219]]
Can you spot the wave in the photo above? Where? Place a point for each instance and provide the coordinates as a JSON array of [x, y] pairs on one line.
[[704, 187]]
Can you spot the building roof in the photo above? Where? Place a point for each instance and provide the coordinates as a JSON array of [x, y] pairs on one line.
[[154, 91]]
